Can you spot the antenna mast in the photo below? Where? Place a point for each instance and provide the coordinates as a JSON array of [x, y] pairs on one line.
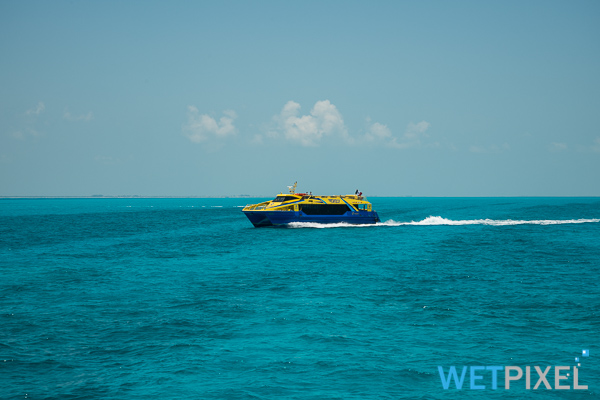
[[293, 188]]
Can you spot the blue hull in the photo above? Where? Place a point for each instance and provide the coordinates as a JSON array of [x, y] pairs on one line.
[[278, 218]]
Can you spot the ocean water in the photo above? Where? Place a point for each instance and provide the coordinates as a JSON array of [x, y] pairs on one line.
[[184, 299]]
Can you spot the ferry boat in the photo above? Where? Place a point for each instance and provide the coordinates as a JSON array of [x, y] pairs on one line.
[[306, 207]]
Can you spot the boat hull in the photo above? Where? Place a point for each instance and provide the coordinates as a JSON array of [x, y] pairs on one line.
[[282, 218]]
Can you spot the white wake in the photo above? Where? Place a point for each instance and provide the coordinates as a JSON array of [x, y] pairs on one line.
[[444, 221]]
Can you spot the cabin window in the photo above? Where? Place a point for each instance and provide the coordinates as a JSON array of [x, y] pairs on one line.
[[281, 199], [324, 209]]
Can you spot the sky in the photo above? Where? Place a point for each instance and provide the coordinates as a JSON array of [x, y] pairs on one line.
[[226, 98]]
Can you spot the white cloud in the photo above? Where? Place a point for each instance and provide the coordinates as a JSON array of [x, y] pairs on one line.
[[555, 146], [308, 130], [83, 117], [378, 133], [477, 149], [257, 139], [413, 135], [416, 131], [596, 146], [489, 149], [106, 160], [37, 110], [202, 127], [29, 123]]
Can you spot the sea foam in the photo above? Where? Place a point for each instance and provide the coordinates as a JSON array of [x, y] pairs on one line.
[[437, 220]]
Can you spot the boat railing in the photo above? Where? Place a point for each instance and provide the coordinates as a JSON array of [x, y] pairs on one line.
[[254, 207], [258, 207], [352, 196]]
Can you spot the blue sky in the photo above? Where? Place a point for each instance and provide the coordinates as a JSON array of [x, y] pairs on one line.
[[428, 98]]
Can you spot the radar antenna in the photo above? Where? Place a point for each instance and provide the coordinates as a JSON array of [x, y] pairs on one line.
[[293, 188]]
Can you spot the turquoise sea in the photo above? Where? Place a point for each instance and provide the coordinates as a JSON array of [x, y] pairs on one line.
[[185, 299]]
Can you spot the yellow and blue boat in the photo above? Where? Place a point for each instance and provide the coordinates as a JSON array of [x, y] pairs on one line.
[[306, 207]]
